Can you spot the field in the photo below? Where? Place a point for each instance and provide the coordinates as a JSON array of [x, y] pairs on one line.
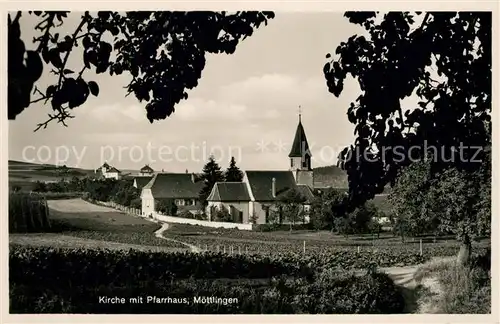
[[76, 223], [267, 272], [25, 174]]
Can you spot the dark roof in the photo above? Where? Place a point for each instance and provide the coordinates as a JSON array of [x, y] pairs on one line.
[[113, 169], [174, 185], [147, 168], [229, 191], [300, 146], [105, 165], [306, 192], [261, 183], [142, 181]]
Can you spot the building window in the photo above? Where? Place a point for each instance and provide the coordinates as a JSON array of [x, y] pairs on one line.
[[291, 163]]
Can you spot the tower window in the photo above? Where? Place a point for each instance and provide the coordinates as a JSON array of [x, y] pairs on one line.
[[291, 163]]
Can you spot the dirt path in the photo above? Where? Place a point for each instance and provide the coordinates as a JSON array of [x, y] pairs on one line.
[[164, 227]]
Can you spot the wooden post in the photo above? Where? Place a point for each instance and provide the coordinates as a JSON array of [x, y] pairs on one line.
[[239, 249], [304, 247], [224, 249], [421, 251], [358, 248], [231, 250]]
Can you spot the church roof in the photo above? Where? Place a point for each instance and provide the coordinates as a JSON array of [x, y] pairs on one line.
[[174, 185], [229, 191], [261, 183], [300, 146]]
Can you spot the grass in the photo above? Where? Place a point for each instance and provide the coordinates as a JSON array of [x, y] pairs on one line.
[[456, 289]]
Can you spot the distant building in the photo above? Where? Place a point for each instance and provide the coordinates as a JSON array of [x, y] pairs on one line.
[[109, 172], [146, 171], [182, 188]]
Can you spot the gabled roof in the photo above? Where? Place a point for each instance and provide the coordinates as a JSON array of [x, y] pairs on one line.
[[229, 191], [105, 165], [174, 185], [147, 168], [113, 170], [142, 181], [300, 146], [261, 183], [305, 191]]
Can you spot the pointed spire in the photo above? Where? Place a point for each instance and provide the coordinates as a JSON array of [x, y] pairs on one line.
[[300, 114], [300, 146]]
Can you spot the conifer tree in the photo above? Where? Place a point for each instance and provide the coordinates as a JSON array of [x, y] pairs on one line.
[[233, 173], [211, 174]]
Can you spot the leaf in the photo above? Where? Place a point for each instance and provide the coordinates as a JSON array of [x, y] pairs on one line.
[[94, 88], [55, 58]]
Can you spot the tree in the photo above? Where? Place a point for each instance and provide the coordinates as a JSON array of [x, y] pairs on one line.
[[327, 207], [163, 51], [452, 201], [40, 186], [291, 204], [211, 174], [395, 63], [233, 173], [410, 202]]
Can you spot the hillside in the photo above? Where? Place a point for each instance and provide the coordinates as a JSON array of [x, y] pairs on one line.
[[330, 176], [24, 174]]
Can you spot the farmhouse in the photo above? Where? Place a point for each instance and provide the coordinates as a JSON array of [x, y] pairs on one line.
[[182, 188], [110, 172], [146, 171]]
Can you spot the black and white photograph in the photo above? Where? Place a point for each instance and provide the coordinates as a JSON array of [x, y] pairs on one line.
[[249, 162]]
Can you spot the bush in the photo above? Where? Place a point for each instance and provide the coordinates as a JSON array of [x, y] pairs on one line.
[[57, 281], [184, 213], [222, 215], [166, 207]]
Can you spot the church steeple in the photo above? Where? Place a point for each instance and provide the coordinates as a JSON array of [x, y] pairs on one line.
[[300, 156]]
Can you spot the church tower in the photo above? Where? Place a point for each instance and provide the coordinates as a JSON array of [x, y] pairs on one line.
[[300, 157]]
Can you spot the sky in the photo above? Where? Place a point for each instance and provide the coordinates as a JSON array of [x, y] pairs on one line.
[[246, 105]]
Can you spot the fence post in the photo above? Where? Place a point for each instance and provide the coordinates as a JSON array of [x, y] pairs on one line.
[[206, 247], [358, 248], [224, 249], [232, 250], [304, 247], [218, 250], [421, 251], [239, 249]]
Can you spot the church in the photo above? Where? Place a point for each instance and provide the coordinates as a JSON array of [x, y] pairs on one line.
[[249, 201], [254, 197]]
